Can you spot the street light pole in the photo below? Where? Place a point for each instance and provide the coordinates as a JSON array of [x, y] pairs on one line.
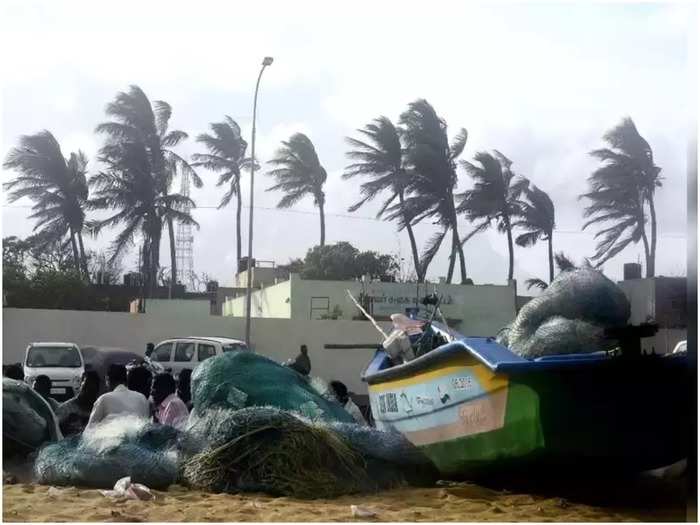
[[266, 62]]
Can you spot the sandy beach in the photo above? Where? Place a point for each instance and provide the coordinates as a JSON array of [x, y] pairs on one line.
[[455, 503]]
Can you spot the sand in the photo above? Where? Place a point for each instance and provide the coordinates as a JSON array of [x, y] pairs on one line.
[[453, 502]]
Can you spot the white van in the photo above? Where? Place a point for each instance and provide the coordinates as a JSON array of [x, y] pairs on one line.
[[187, 352], [62, 362]]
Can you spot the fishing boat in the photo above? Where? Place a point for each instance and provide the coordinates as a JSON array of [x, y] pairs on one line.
[[476, 408]]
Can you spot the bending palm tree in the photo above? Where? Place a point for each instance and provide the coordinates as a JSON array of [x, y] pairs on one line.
[[494, 197], [128, 188], [299, 173], [563, 263], [58, 188], [381, 158], [227, 157], [136, 121], [621, 191], [536, 215], [431, 164]]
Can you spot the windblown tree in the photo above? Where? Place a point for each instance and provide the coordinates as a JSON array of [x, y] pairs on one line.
[[141, 168], [536, 217], [494, 197], [57, 187], [430, 160], [563, 264], [299, 173], [227, 157], [379, 156], [621, 192]]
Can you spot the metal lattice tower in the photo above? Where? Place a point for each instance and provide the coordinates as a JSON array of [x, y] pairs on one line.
[[183, 243]]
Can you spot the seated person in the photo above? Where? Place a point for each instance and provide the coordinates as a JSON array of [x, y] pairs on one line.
[[183, 387], [120, 401], [343, 397], [139, 379], [301, 363], [42, 385], [170, 409], [13, 371], [73, 415]]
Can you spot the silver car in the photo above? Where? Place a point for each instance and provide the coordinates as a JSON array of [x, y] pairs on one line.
[[180, 353]]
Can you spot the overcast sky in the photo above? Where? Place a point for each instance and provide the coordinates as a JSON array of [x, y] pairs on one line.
[[540, 82]]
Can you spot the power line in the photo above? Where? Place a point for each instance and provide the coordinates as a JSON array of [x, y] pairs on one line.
[[359, 217]]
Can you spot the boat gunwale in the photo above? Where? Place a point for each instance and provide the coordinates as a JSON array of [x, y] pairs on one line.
[[515, 366]]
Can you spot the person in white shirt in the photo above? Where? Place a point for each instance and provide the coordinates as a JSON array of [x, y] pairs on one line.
[[343, 397], [120, 401]]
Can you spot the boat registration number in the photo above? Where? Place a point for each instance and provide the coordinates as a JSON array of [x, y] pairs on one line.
[[388, 403], [462, 383]]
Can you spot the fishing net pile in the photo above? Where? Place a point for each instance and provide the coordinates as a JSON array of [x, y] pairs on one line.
[[267, 429], [242, 379], [255, 426], [121, 446], [27, 420], [571, 316]]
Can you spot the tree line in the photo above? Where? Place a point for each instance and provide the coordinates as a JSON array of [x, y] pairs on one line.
[[412, 165]]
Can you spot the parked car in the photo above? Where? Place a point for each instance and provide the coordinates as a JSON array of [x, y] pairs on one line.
[[63, 363], [187, 352], [99, 358], [682, 346]]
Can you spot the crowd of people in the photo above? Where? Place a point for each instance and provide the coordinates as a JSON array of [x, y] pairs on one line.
[[136, 391]]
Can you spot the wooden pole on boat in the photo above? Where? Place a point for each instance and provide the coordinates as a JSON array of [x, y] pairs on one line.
[[369, 317]]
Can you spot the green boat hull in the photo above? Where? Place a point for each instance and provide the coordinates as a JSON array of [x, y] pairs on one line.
[[619, 415]]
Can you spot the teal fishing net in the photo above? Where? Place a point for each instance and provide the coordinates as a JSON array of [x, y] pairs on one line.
[[569, 317], [271, 450], [242, 379], [27, 420], [123, 446], [255, 426]]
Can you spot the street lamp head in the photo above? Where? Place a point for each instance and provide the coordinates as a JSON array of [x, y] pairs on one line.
[[267, 61]]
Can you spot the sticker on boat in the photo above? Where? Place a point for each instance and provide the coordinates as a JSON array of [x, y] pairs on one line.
[[462, 383]]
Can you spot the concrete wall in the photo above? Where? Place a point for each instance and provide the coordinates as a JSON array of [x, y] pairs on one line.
[[271, 302], [640, 293], [479, 310], [178, 307], [662, 300], [278, 339]]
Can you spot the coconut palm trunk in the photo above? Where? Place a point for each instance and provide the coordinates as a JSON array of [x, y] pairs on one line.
[[76, 256], [323, 220], [651, 261], [453, 252], [239, 207], [462, 261], [83, 258], [420, 272], [457, 249], [551, 257], [509, 235], [173, 258]]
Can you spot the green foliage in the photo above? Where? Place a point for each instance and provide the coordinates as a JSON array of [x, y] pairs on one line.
[[56, 185], [37, 274], [379, 157], [334, 314], [298, 173], [494, 197], [343, 262], [621, 192], [140, 169], [431, 162]]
